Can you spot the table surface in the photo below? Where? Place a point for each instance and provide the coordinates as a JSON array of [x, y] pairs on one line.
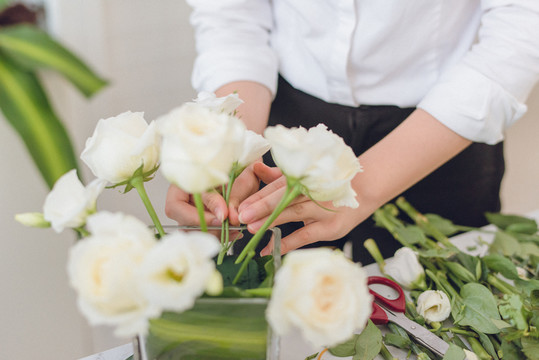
[[294, 347]]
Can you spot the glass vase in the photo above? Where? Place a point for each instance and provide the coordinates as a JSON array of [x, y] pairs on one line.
[[216, 328]]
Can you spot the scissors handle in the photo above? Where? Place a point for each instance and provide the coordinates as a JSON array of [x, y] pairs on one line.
[[398, 304]]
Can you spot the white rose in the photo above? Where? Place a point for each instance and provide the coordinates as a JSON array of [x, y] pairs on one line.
[[319, 159], [120, 145], [226, 104], [323, 294], [178, 269], [69, 203], [433, 305], [103, 269], [198, 147], [253, 147], [404, 268]]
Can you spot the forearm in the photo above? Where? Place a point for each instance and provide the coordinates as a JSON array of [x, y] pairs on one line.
[[257, 101], [409, 153]]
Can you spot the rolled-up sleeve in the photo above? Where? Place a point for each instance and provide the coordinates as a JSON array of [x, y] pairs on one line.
[[484, 94], [232, 43]]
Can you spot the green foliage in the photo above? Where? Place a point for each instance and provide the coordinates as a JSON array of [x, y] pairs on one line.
[[24, 50]]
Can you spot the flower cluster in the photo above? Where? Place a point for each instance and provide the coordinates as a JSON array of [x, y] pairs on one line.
[[125, 274]]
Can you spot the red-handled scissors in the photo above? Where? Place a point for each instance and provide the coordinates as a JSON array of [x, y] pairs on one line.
[[385, 309]]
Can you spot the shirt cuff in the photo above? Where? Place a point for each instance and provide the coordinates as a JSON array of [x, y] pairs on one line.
[[472, 105], [214, 69]]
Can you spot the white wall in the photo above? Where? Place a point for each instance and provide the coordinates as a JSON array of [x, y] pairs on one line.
[[146, 50]]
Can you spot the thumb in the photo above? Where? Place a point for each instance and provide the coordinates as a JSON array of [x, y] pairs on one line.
[[265, 173]]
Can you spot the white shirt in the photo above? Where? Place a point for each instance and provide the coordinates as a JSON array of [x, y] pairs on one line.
[[469, 63]]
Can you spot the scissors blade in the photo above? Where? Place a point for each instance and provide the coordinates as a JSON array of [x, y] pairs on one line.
[[421, 334]]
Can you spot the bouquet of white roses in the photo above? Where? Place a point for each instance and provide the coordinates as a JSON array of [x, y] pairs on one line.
[[127, 276]]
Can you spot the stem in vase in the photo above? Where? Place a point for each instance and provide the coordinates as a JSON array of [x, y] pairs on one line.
[[248, 252]]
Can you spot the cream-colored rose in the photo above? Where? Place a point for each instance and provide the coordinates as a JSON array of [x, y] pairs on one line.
[[178, 270], [433, 305], [253, 147], [198, 146], [103, 269], [323, 294], [69, 203], [319, 159], [120, 145], [226, 104], [404, 268]]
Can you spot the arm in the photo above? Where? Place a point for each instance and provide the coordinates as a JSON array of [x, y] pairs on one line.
[[391, 166]]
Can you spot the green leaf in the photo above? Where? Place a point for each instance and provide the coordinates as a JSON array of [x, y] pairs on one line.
[[347, 348], [443, 225], [437, 253], [487, 345], [530, 347], [510, 351], [250, 278], [512, 309], [454, 353], [503, 221], [369, 343], [397, 341], [310, 357], [479, 308], [26, 107], [502, 265], [411, 235], [35, 49], [505, 244]]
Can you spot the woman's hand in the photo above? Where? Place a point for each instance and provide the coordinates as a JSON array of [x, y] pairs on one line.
[[322, 221], [180, 205]]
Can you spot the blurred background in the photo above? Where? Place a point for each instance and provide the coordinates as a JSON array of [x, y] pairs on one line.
[[146, 50]]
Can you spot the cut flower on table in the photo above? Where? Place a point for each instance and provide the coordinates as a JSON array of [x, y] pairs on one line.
[[491, 310]]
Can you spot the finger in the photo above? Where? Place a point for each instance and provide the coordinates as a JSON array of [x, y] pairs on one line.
[[179, 207], [275, 186], [265, 173], [216, 205], [245, 185], [306, 235], [261, 208], [302, 210]]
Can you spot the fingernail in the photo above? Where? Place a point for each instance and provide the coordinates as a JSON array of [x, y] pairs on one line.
[[245, 216], [220, 215]]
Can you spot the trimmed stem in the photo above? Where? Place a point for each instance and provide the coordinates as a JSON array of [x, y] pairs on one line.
[[138, 183], [200, 209], [501, 285], [373, 249]]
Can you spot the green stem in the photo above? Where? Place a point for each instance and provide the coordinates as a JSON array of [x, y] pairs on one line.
[[459, 331], [373, 249], [423, 222], [478, 349], [501, 285], [289, 195], [225, 236], [249, 251], [385, 353], [138, 183], [200, 209]]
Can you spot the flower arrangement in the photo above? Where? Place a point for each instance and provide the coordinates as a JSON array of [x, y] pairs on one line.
[[131, 277]]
